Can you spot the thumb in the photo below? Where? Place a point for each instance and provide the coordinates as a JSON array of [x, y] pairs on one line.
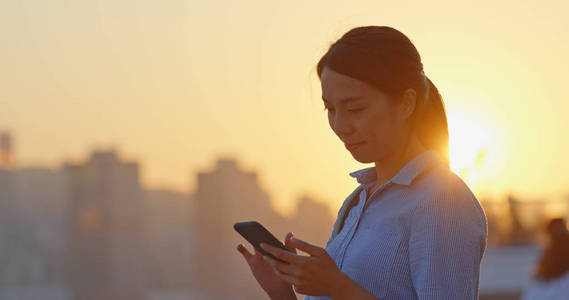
[[306, 247], [288, 244]]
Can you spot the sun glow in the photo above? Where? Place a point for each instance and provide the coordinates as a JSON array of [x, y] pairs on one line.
[[474, 148]]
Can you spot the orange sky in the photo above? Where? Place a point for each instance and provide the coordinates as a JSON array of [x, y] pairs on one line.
[[174, 85]]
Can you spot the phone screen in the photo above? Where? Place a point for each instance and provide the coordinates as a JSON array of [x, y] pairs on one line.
[[256, 234]]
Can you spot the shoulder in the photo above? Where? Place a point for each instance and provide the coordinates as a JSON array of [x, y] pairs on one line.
[[440, 192], [443, 181]]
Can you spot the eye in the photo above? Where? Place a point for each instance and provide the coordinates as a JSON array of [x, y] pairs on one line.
[[356, 109]]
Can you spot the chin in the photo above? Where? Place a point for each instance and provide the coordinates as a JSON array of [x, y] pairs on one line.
[[363, 159], [367, 157]]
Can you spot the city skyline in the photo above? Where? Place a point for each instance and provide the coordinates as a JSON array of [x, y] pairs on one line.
[[10, 165], [555, 206], [72, 231], [89, 230]]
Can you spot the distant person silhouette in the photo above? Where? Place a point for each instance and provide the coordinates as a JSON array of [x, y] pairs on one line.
[[551, 278], [412, 229]]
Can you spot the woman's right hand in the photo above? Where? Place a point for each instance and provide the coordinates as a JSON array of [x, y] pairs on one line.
[[263, 272]]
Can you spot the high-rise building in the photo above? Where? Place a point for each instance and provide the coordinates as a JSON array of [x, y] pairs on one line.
[[169, 240], [32, 238], [224, 196], [106, 236]]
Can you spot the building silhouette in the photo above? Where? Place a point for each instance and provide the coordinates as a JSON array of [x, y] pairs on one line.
[[32, 233], [169, 240], [106, 229], [224, 196]]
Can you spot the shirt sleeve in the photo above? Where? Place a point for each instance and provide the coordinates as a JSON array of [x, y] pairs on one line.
[[446, 243]]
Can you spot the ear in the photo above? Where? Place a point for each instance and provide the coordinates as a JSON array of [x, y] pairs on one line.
[[407, 104]]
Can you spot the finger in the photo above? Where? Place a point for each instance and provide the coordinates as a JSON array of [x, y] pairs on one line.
[[307, 247], [286, 278], [287, 242], [284, 268], [282, 254], [258, 254], [244, 252]]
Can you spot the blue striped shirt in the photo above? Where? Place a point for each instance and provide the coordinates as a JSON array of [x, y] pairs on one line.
[[420, 235]]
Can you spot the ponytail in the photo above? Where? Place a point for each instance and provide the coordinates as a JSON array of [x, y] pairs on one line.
[[431, 124]]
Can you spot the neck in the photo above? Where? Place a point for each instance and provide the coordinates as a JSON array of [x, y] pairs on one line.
[[389, 166]]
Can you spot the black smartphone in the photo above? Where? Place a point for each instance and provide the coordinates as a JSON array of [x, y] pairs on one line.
[[256, 234]]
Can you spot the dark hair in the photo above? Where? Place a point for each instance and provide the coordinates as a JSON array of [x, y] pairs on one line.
[[554, 261], [386, 59]]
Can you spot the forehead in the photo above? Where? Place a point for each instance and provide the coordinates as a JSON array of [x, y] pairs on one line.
[[336, 86]]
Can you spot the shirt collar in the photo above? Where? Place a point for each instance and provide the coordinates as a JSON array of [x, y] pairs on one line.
[[419, 164]]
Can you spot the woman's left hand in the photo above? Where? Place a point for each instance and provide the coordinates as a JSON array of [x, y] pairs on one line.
[[316, 274]]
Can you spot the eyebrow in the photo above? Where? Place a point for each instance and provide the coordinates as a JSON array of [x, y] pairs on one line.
[[346, 100]]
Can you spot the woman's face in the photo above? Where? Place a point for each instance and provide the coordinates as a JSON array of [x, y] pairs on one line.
[[365, 119]]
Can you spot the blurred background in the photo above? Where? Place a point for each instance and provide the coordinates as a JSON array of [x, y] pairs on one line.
[[134, 134]]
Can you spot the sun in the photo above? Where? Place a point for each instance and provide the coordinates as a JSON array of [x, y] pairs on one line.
[[473, 146]]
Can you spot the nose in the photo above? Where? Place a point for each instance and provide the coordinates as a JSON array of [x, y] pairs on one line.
[[342, 125]]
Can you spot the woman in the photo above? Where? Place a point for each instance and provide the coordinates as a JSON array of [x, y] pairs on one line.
[[412, 229], [551, 278]]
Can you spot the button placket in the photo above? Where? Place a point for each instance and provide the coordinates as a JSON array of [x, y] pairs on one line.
[[360, 209], [352, 225], [343, 235]]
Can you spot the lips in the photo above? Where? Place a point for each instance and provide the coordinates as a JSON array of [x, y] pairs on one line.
[[353, 146]]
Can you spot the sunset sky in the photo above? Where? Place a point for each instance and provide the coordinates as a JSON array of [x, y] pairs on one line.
[[177, 84]]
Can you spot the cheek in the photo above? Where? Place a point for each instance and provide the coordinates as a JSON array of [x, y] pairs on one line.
[[380, 131]]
